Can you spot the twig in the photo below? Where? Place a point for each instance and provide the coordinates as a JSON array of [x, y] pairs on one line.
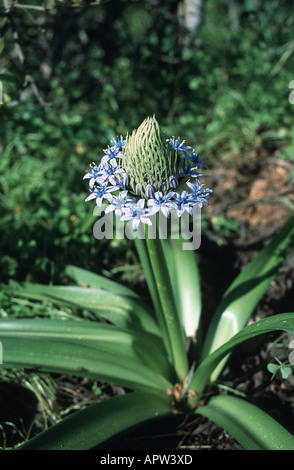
[[28, 7]]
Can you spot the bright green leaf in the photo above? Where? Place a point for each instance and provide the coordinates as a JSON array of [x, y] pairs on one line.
[[85, 278], [124, 311], [203, 374], [85, 349], [248, 424], [246, 291], [94, 425], [184, 277]]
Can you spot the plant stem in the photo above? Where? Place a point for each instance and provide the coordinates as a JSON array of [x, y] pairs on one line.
[[172, 327], [151, 282]]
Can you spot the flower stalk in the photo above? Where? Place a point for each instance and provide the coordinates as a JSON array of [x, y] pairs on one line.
[[168, 316], [146, 175]]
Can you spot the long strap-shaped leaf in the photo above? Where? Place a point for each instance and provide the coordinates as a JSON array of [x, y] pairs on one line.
[[83, 277], [94, 425], [124, 311], [153, 290], [241, 298], [202, 375], [173, 326], [85, 349], [249, 425], [185, 281]]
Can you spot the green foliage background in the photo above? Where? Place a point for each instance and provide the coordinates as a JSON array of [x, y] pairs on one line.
[[75, 74]]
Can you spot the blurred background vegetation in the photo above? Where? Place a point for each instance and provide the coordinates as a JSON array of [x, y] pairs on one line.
[[77, 73]]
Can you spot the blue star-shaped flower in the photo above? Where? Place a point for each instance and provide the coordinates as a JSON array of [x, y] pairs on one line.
[[196, 160], [199, 194], [184, 203], [118, 203], [100, 192], [162, 202], [177, 145], [137, 213], [96, 175], [188, 169]]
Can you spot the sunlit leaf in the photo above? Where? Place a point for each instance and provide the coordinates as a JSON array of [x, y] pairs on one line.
[[123, 310], [96, 424], [203, 373], [248, 424], [85, 349], [246, 291]]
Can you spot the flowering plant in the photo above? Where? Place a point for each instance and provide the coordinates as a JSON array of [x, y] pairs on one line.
[[147, 168], [160, 354]]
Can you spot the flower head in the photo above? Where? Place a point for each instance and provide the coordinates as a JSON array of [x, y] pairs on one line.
[[148, 159], [146, 170]]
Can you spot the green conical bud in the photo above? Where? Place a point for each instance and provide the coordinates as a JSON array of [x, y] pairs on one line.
[[148, 159]]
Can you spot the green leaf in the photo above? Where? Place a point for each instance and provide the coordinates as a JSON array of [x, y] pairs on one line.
[[153, 290], [185, 281], [85, 349], [285, 372], [173, 330], [2, 44], [272, 368], [203, 373], [124, 311], [94, 425], [84, 278], [246, 291], [249, 425]]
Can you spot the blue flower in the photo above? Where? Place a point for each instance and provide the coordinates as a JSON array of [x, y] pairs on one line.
[[184, 203], [189, 169], [119, 143], [122, 180], [177, 145], [100, 192], [118, 203], [196, 160], [96, 175], [110, 155], [120, 170], [137, 213], [199, 194], [162, 202], [112, 172]]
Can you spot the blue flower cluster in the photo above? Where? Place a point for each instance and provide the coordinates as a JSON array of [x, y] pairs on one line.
[[109, 181]]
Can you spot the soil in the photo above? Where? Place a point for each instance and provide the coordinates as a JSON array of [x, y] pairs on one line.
[[259, 196]]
